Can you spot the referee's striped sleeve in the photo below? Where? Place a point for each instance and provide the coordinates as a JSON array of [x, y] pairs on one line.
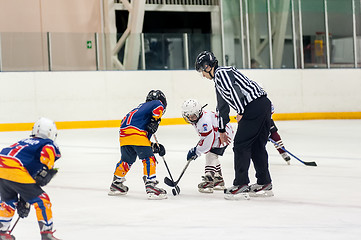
[[223, 112]]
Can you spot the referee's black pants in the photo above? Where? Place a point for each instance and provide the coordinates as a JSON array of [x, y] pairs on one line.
[[250, 142]]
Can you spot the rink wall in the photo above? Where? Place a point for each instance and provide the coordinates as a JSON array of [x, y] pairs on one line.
[[102, 98]]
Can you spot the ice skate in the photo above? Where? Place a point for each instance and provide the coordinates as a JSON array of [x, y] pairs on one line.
[[237, 193], [153, 192], [257, 190], [218, 183], [48, 235], [286, 157], [207, 184], [6, 236], [117, 187]]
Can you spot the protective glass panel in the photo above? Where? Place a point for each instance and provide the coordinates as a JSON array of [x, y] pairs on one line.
[[314, 40], [24, 52], [341, 37], [73, 51]]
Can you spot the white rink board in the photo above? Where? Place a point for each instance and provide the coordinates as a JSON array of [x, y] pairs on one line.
[[108, 95]]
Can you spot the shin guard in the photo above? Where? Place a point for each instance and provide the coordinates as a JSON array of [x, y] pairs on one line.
[[44, 214], [149, 168], [122, 169], [277, 138], [7, 211]]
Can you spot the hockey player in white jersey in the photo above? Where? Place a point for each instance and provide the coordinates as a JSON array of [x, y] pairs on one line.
[[206, 125]]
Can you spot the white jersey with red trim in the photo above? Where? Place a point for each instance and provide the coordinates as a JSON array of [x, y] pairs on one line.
[[207, 128]]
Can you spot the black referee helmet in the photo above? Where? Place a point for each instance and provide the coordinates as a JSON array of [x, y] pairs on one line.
[[204, 59]]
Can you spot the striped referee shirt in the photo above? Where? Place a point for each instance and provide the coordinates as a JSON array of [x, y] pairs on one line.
[[235, 90]]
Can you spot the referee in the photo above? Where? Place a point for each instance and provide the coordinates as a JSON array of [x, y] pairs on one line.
[[253, 108]]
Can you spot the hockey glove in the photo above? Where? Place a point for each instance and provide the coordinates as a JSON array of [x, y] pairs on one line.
[[45, 175], [152, 127], [158, 149], [23, 208], [192, 155]]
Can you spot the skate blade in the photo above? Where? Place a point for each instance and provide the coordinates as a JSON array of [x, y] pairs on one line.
[[205, 190], [239, 196], [116, 193], [152, 196], [262, 194], [219, 188]]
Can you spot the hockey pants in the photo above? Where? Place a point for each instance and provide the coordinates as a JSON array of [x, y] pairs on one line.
[[129, 154], [250, 142], [31, 193]]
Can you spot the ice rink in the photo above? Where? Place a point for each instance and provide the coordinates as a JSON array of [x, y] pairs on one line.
[[322, 202]]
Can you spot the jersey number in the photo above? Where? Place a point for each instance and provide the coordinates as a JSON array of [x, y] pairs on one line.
[[130, 116], [16, 150]]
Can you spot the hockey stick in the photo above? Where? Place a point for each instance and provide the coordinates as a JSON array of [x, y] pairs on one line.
[[177, 189], [171, 183], [17, 220], [306, 163]]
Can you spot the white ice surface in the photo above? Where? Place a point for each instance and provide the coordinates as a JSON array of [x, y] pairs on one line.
[[322, 202]]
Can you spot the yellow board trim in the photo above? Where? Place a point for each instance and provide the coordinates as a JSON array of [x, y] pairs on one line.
[[316, 116], [6, 127]]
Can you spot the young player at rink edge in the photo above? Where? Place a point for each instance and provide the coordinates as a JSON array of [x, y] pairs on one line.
[[277, 138], [25, 167], [135, 132], [206, 125]]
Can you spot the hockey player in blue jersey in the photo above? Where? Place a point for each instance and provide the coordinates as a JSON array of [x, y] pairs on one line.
[[25, 167], [136, 129]]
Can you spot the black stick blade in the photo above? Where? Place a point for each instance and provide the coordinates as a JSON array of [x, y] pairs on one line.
[[310, 164], [169, 182]]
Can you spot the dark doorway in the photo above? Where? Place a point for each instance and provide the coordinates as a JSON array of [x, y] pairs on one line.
[[164, 39]]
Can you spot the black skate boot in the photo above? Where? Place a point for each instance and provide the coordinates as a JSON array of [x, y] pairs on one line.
[[6, 236], [257, 190], [218, 183], [48, 235], [207, 184], [154, 192], [237, 192], [117, 187], [286, 157]]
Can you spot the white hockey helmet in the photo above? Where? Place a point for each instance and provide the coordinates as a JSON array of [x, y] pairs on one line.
[[191, 110], [44, 128]]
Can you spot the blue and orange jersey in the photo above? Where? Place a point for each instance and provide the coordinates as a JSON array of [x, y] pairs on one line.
[[133, 128], [23, 160]]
